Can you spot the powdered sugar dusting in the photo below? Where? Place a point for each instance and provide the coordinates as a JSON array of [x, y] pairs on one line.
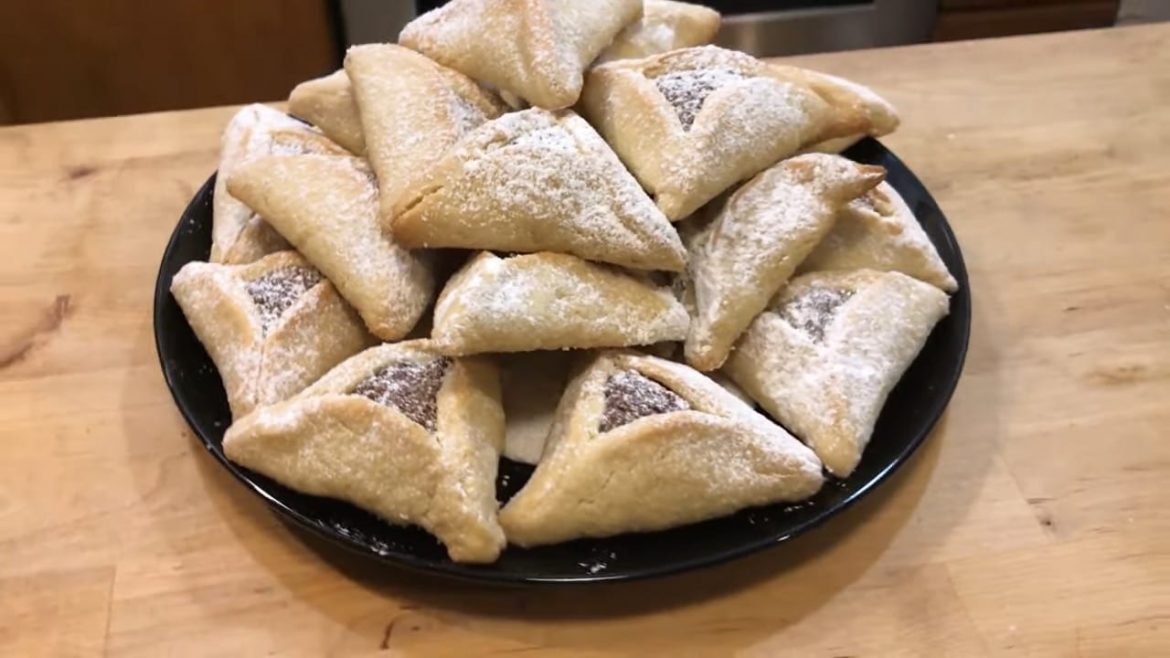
[[878, 231], [687, 90], [262, 364], [724, 457], [466, 115], [882, 112], [413, 112], [652, 37], [541, 181], [754, 245], [868, 202], [545, 140], [327, 207], [255, 131], [829, 389], [289, 143], [759, 119], [259, 130], [537, 51], [552, 301], [665, 25], [276, 291]]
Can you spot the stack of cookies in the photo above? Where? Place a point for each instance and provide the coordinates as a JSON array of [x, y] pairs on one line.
[[648, 236]]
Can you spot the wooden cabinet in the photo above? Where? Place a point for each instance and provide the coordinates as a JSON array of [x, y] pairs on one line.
[[62, 59], [974, 19]]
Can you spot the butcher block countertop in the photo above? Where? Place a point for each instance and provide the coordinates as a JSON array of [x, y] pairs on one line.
[[1035, 522]]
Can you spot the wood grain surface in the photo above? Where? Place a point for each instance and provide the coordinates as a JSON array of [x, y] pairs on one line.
[[1034, 523]]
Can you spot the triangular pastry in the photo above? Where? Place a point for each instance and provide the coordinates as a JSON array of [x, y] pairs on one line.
[[327, 207], [665, 25], [539, 181], [412, 112], [858, 111], [551, 301], [536, 49], [398, 430], [691, 123], [239, 235], [272, 327], [824, 356], [642, 444], [756, 241], [878, 231], [328, 104]]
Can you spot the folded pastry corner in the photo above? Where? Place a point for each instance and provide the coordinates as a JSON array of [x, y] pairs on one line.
[[328, 104], [412, 111], [756, 241], [327, 206], [239, 235], [398, 430], [551, 301], [828, 351], [535, 49], [878, 231], [641, 444], [693, 122], [665, 25], [857, 111], [272, 327], [539, 181]]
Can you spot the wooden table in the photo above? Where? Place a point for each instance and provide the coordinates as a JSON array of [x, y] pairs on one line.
[[1035, 522]]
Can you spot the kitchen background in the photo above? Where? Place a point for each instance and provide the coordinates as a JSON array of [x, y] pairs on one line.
[[62, 59]]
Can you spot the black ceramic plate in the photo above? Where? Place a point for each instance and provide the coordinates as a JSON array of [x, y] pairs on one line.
[[912, 410]]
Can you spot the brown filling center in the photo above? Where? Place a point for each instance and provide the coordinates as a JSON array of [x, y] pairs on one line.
[[813, 310], [408, 386], [629, 396], [276, 292], [688, 90]]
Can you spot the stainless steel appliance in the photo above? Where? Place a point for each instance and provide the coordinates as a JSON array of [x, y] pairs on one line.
[[761, 27], [805, 26]]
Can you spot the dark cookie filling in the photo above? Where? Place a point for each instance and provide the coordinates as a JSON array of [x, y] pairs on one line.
[[276, 292], [688, 90], [408, 386], [630, 396], [813, 310]]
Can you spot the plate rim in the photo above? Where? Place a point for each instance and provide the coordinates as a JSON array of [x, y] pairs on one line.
[[482, 574]]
